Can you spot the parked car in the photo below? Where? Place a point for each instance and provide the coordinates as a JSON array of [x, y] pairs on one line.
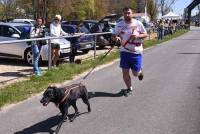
[[27, 21], [94, 26], [98, 27], [22, 50], [84, 43], [111, 19]]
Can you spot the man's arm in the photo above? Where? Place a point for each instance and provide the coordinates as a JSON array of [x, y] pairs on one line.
[[140, 36], [115, 37], [143, 33]]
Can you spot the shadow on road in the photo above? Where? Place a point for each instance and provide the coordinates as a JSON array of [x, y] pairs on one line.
[[15, 75], [104, 94], [48, 124], [12, 62], [44, 126]]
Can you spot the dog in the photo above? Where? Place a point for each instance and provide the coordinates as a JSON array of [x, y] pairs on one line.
[[65, 97], [78, 61]]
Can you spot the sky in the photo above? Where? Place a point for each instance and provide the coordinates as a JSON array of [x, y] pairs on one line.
[[178, 7]]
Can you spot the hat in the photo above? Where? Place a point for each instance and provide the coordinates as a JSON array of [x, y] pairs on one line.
[[58, 17]]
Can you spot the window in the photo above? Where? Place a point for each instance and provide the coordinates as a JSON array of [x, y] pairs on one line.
[[6, 31]]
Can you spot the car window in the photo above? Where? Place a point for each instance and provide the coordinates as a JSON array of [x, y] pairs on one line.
[[69, 29], [1, 31], [83, 29], [91, 26], [22, 27], [6, 31]]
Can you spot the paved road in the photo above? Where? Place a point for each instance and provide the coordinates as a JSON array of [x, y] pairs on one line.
[[167, 101]]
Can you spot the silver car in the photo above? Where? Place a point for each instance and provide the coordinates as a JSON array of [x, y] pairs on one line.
[[22, 50]]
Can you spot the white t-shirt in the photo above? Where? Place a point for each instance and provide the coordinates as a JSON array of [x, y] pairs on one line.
[[56, 31], [125, 30]]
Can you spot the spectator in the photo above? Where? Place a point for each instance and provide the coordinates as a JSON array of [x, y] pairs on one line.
[[160, 29], [37, 32], [81, 28], [56, 31]]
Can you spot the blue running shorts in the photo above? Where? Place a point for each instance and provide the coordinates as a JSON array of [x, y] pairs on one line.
[[131, 61]]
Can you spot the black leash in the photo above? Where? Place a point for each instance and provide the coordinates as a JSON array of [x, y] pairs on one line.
[[96, 64]]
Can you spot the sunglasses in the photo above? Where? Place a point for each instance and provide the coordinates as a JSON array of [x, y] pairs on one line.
[[56, 19]]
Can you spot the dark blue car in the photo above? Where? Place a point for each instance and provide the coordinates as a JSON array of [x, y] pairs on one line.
[[83, 43]]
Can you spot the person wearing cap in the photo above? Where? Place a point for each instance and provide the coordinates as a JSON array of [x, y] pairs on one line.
[[56, 31]]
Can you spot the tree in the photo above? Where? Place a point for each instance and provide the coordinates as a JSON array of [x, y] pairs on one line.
[[152, 9], [134, 5], [88, 9], [62, 7], [100, 9], [165, 5], [116, 7], [27, 7], [8, 9]]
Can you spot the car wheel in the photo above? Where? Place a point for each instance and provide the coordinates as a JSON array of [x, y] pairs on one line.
[[28, 57], [85, 51]]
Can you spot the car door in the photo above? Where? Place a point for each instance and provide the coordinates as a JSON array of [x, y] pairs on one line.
[[15, 50]]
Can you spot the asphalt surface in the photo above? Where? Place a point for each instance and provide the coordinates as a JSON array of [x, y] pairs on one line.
[[167, 101]]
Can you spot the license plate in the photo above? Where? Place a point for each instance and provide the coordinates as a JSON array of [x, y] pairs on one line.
[[66, 50]]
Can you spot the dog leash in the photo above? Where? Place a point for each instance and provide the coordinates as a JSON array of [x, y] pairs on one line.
[[96, 65]]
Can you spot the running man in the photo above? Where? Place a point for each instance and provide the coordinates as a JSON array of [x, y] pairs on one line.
[[130, 32]]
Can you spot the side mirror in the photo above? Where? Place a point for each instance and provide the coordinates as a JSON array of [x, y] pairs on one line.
[[15, 36]]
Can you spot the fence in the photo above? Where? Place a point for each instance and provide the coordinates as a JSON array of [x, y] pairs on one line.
[[49, 42]]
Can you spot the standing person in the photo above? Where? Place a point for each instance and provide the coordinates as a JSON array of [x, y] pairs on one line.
[[160, 29], [37, 32], [130, 33], [56, 31]]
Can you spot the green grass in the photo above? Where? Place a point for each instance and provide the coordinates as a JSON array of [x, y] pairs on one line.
[[22, 90]]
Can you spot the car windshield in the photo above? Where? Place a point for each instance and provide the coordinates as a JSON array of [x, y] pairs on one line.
[[33, 22]]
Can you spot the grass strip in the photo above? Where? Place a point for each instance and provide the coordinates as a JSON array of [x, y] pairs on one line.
[[22, 90]]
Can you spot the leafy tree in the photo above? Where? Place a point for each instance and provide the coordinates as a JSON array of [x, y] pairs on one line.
[[117, 7], [62, 7], [152, 9], [165, 5], [88, 9], [8, 9], [27, 6], [133, 4]]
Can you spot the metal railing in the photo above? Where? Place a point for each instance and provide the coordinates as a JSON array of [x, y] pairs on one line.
[[49, 42]]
